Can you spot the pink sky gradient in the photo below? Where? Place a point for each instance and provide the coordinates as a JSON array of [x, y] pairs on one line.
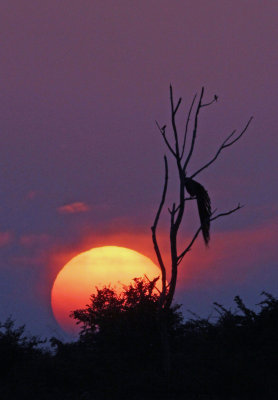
[[82, 85]]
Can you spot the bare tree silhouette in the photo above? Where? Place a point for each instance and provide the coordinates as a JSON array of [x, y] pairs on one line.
[[196, 192], [187, 184]]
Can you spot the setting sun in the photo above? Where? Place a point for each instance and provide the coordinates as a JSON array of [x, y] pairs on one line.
[[78, 279]]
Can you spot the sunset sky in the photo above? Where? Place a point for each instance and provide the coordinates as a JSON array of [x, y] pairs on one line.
[[82, 83]]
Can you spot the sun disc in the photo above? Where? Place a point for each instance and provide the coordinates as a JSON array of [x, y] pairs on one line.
[[98, 267]]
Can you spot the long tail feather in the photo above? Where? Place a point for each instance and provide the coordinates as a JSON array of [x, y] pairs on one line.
[[204, 206], [205, 214]]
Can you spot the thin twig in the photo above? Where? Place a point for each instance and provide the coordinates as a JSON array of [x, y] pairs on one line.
[[162, 131], [173, 113], [238, 207], [211, 102], [194, 131], [186, 199], [177, 106], [225, 144], [188, 248], [186, 126], [174, 210], [152, 282]]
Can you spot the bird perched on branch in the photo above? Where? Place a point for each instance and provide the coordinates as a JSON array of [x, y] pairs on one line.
[[195, 189]]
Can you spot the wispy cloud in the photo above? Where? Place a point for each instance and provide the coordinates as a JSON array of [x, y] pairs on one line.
[[5, 238], [73, 208]]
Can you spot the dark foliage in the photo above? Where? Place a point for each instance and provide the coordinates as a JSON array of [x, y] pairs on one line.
[[118, 354], [22, 361]]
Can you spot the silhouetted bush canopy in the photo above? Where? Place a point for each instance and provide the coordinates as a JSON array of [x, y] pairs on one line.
[[233, 355]]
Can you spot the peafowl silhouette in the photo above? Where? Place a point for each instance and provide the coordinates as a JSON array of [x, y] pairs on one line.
[[195, 189]]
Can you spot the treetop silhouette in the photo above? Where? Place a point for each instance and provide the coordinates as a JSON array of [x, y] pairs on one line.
[[197, 192]]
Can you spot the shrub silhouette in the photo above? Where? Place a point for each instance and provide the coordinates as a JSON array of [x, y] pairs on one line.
[[124, 331], [231, 356], [22, 361]]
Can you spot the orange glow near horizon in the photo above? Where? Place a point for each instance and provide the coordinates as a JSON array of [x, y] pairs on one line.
[[98, 267]]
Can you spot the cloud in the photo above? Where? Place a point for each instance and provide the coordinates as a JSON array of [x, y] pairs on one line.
[[5, 238], [73, 208]]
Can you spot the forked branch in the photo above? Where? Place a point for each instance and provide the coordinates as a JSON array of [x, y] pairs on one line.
[[194, 131], [223, 146], [187, 184], [163, 133], [186, 126], [188, 248], [215, 98]]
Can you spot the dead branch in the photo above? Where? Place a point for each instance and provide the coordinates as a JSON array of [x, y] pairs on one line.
[[194, 131], [163, 133], [211, 102], [188, 248], [223, 146], [174, 109], [153, 228], [186, 126], [196, 190], [177, 106]]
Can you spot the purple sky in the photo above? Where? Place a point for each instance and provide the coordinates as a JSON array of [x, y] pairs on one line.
[[81, 158]]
